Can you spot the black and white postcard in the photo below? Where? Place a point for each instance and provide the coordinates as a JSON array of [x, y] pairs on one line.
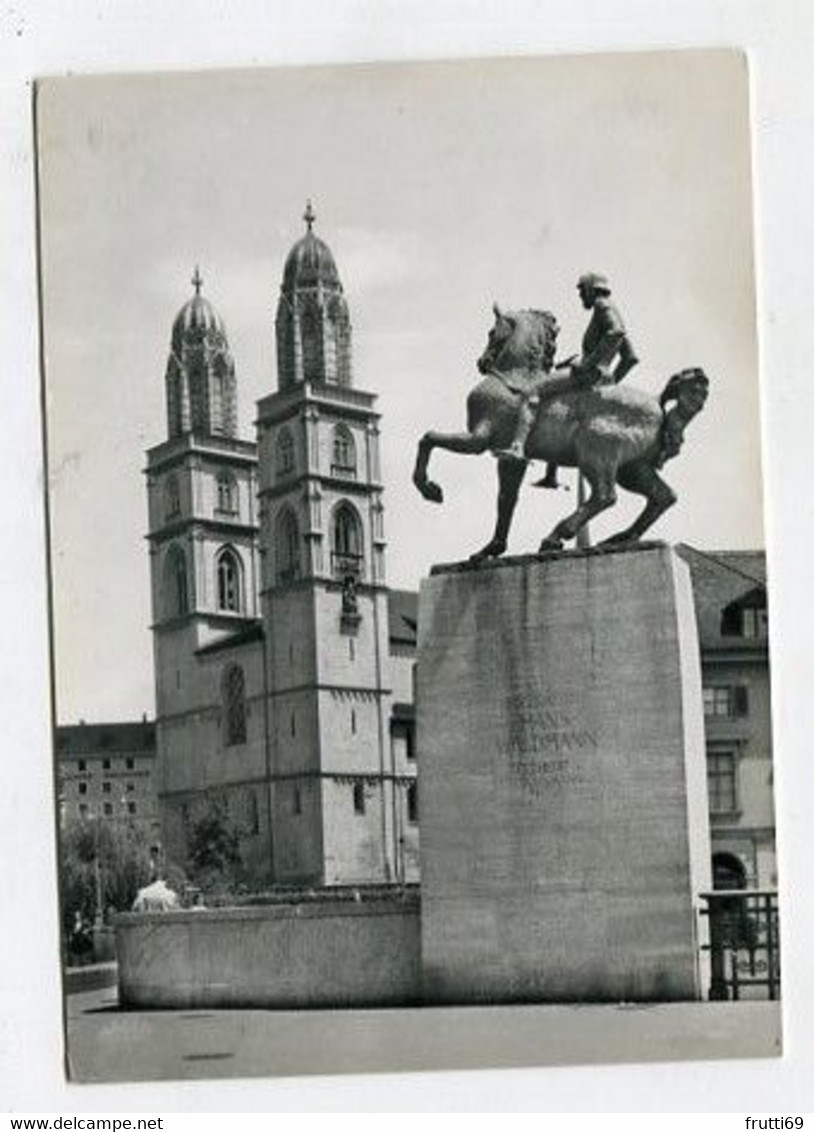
[[410, 616]]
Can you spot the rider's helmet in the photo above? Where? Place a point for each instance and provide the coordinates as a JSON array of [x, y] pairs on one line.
[[595, 282]]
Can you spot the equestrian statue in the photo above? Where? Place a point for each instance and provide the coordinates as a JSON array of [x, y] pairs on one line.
[[573, 415]]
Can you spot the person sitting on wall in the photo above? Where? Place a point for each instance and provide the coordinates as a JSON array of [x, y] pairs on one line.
[[156, 897]]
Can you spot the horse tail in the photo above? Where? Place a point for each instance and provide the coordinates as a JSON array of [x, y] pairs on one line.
[[688, 389]]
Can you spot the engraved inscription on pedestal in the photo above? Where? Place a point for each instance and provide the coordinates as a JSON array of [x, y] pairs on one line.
[[541, 743]]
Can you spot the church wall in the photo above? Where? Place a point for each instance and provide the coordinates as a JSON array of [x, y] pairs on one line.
[[406, 840], [402, 672], [289, 622], [247, 808], [196, 764], [197, 495], [173, 650], [410, 845], [298, 839], [157, 495], [193, 756], [355, 842], [267, 447], [246, 817], [351, 739], [295, 732], [244, 506], [174, 832], [349, 658], [324, 463]]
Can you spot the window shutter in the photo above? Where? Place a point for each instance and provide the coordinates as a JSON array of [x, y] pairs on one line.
[[741, 699]]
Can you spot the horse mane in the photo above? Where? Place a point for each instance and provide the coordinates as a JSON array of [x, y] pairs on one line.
[[545, 316], [549, 331]]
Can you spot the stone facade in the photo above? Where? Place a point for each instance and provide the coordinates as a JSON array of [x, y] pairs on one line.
[[107, 771], [732, 611], [282, 675]]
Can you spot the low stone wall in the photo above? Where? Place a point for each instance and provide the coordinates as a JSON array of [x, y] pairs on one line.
[[316, 954]]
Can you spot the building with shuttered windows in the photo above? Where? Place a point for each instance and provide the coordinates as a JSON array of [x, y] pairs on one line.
[[732, 612]]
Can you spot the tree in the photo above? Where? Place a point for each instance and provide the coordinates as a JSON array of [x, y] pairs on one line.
[[214, 851], [101, 867]]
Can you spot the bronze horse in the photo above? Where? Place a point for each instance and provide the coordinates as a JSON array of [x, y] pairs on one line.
[[614, 434]]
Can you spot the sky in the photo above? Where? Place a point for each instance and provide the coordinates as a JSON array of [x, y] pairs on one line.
[[440, 188]]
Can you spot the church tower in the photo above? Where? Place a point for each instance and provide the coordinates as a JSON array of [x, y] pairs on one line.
[[201, 386], [203, 534], [202, 486], [323, 591], [313, 324]]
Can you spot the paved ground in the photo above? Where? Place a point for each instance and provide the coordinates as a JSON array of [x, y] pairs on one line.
[[105, 1044]]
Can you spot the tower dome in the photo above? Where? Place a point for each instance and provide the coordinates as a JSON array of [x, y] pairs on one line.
[[313, 324], [201, 384], [309, 263], [197, 320]]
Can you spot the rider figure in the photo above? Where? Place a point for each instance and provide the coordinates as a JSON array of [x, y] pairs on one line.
[[605, 339]]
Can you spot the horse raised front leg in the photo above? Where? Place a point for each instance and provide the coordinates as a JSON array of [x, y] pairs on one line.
[[510, 474], [467, 443], [603, 495]]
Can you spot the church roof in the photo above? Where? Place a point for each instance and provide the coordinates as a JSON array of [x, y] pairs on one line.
[[403, 617], [310, 261], [248, 635]]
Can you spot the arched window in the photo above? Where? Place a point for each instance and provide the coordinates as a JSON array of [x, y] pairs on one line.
[[234, 705], [344, 453], [230, 589], [172, 497], [227, 494], [347, 549], [340, 333], [312, 348], [732, 923], [175, 582], [728, 871], [220, 396], [287, 542], [285, 453]]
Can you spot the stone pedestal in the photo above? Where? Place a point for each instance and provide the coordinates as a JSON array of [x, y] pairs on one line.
[[564, 822]]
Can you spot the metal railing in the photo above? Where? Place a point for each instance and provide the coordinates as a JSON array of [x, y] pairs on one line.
[[346, 564], [744, 943], [344, 471]]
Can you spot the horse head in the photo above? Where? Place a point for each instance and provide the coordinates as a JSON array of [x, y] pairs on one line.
[[524, 339], [689, 389]]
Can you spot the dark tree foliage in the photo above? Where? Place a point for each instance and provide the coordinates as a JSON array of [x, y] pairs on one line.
[[124, 866], [214, 851]]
